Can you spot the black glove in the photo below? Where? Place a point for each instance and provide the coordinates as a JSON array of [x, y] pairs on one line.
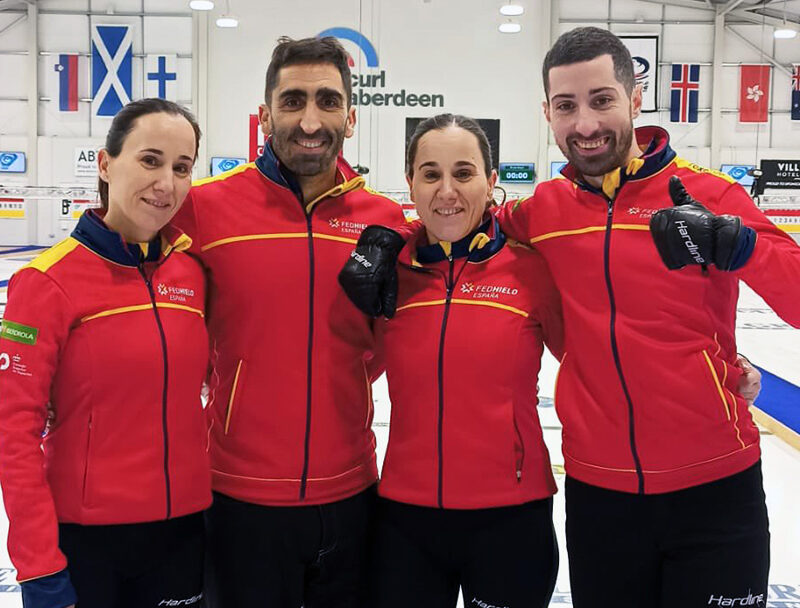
[[688, 233], [369, 277]]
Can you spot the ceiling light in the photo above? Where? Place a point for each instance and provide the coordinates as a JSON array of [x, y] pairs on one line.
[[785, 32], [201, 5], [227, 21], [511, 10], [511, 27]]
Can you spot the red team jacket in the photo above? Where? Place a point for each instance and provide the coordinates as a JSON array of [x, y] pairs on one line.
[[647, 389], [110, 354], [462, 358], [291, 404]]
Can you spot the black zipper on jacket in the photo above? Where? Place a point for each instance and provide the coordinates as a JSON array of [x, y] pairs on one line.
[[165, 429], [521, 463], [614, 348], [449, 292], [307, 442]]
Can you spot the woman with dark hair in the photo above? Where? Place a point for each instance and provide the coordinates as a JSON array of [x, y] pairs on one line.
[[103, 457], [466, 490]]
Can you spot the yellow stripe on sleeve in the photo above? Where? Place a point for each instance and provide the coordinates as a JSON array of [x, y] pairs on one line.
[[223, 176], [55, 254]]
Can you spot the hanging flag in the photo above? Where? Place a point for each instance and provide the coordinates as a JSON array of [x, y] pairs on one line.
[[754, 92], [161, 76], [112, 56], [684, 92], [796, 91], [67, 68], [644, 52]]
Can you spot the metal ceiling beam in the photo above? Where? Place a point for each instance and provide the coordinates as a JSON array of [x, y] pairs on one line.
[[4, 4], [696, 4], [778, 65], [730, 6], [13, 23], [760, 18]]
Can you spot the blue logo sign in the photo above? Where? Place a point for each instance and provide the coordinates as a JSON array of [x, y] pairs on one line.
[[640, 67], [12, 162], [345, 33], [739, 173], [220, 164]]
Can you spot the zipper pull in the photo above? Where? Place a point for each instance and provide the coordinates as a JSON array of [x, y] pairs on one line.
[[449, 282], [144, 274], [519, 475]]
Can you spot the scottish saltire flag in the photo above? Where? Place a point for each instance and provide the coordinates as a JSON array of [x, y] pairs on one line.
[[112, 57], [67, 68], [684, 92], [161, 76], [796, 91]]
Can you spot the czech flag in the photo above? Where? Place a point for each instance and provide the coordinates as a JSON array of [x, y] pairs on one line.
[[67, 68]]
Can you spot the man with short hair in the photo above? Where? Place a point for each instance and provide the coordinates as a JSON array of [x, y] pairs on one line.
[[292, 450], [665, 504]]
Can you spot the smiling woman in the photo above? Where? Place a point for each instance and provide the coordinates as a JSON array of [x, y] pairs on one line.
[[449, 172], [466, 490], [110, 355], [146, 167]]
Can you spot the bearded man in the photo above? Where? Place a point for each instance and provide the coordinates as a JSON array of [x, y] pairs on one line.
[[292, 449]]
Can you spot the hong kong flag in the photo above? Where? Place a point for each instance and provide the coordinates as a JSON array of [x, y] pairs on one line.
[[754, 93]]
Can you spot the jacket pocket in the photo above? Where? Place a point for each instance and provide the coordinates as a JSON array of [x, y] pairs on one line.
[[87, 470], [716, 383], [519, 448], [370, 403], [235, 396]]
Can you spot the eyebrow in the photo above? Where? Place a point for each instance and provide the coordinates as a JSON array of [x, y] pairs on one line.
[[292, 93], [602, 90], [592, 92], [301, 93], [161, 153], [460, 163], [328, 91]]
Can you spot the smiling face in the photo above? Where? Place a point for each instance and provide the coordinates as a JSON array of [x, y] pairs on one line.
[[448, 183], [592, 116], [308, 118], [151, 176]]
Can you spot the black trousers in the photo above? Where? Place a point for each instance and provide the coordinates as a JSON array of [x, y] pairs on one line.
[[287, 557], [705, 546], [505, 557], [136, 565]]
